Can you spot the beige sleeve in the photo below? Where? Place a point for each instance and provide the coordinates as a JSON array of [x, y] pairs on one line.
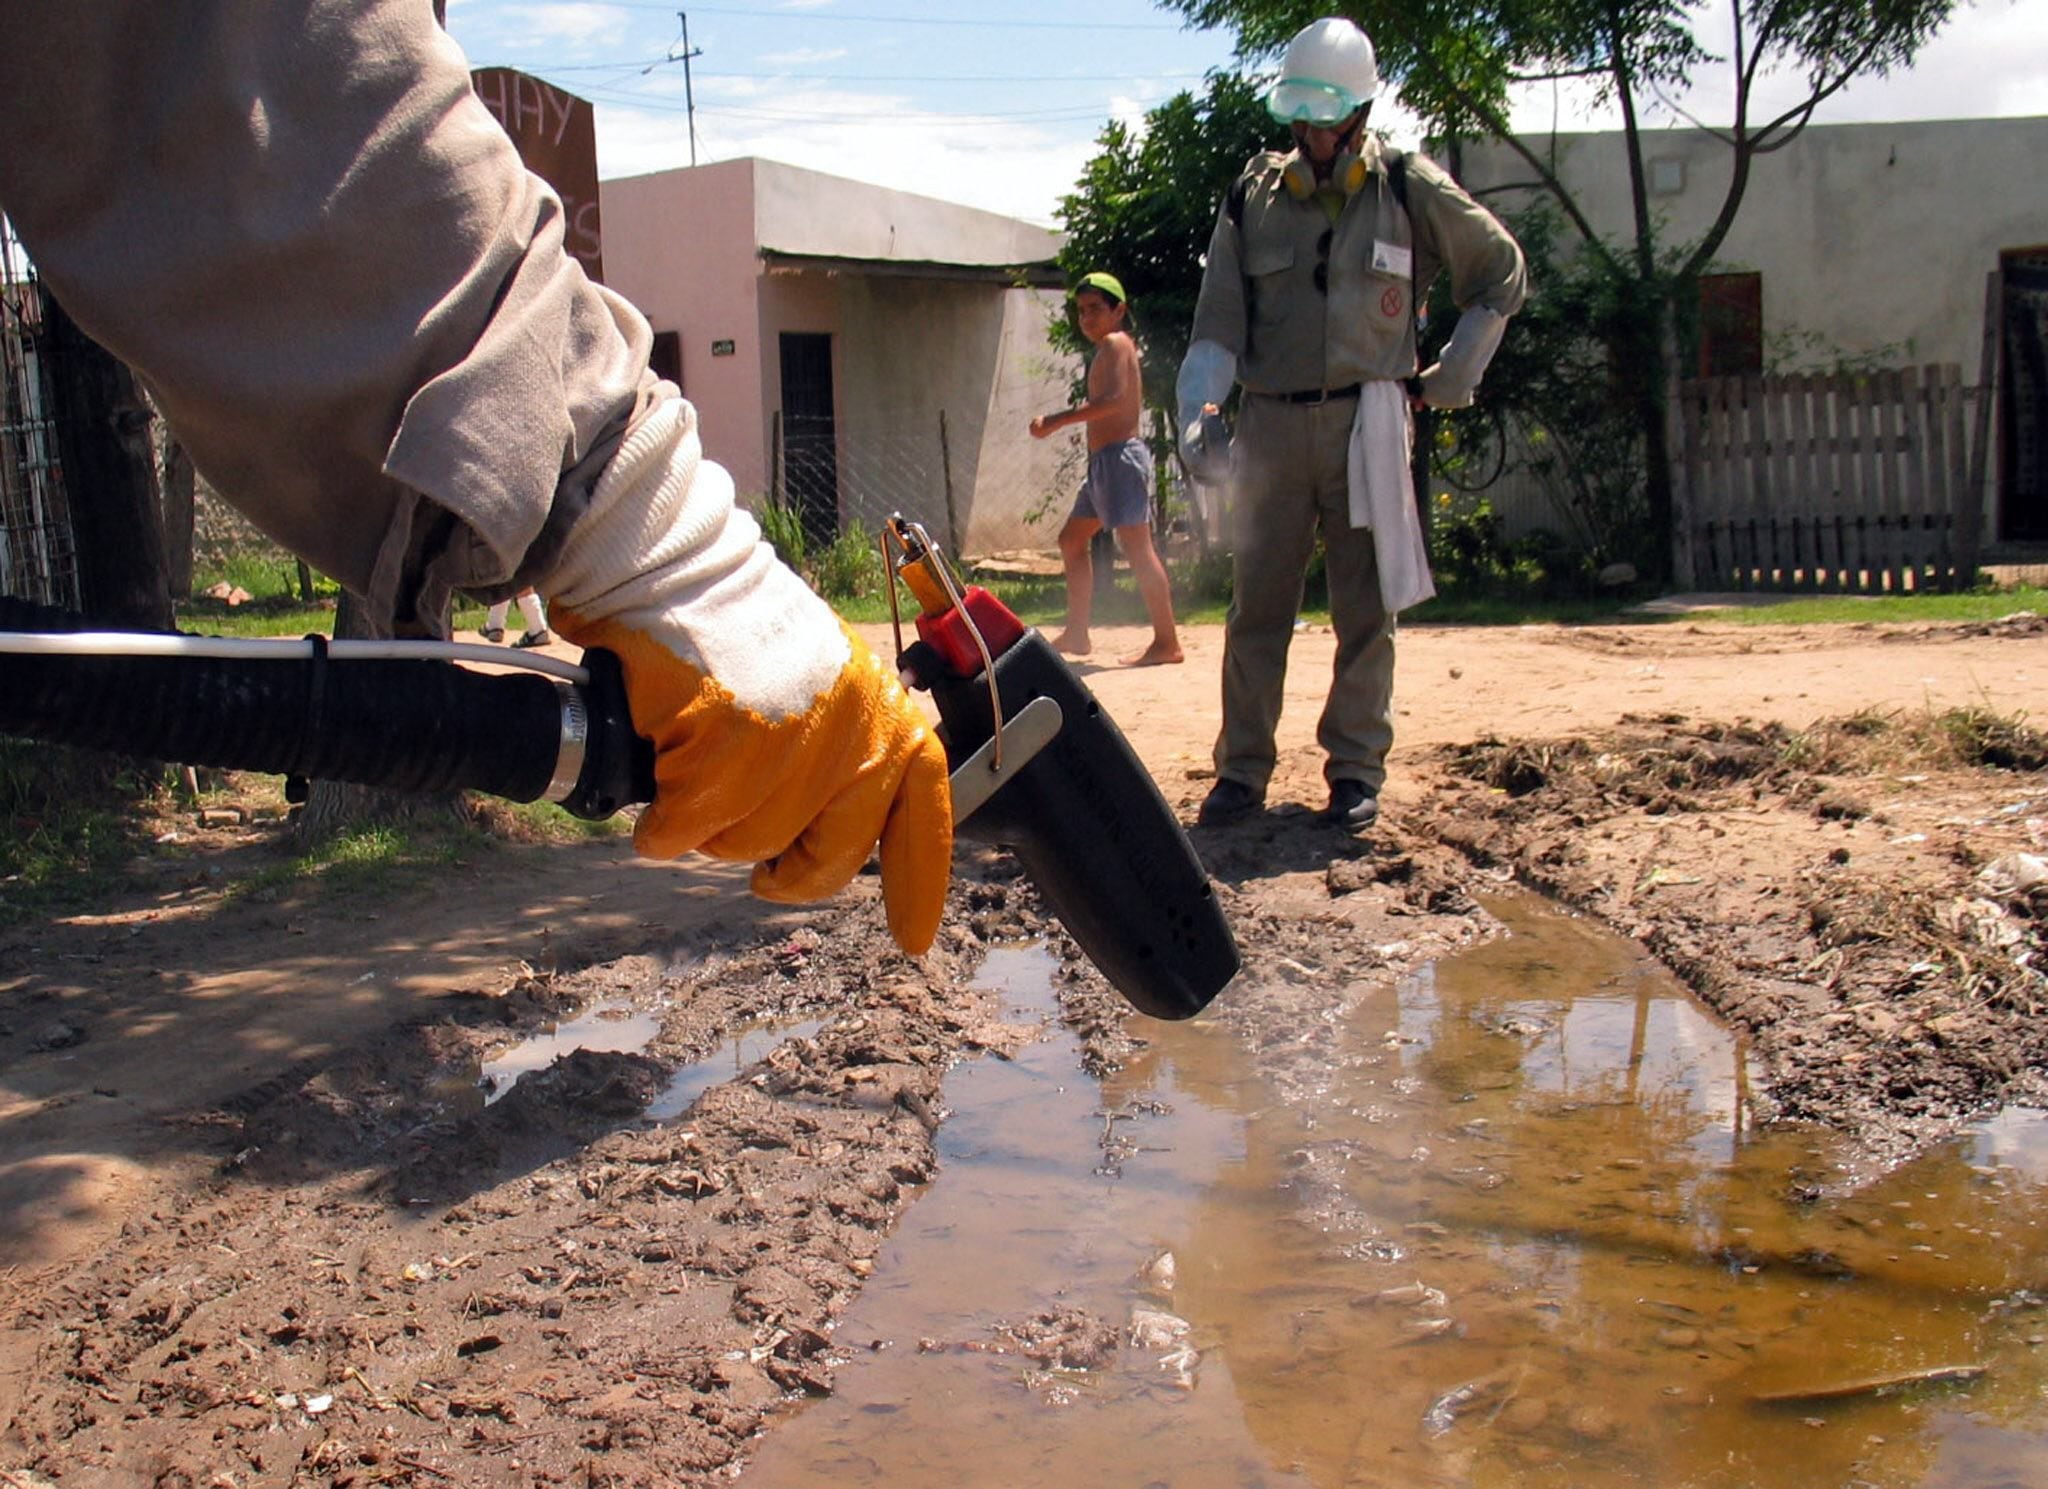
[[323, 257], [1485, 262], [1220, 307]]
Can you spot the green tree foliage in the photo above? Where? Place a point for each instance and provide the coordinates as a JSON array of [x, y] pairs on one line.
[[1559, 373], [1146, 203], [1457, 60]]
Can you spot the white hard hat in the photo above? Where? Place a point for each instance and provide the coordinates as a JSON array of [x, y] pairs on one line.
[[1327, 75]]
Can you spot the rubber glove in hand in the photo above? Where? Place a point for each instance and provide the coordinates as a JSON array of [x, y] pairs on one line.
[[779, 737], [1450, 381]]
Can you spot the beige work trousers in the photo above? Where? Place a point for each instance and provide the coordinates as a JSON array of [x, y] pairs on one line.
[[1289, 471]]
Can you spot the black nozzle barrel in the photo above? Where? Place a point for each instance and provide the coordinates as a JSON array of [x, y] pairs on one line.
[[1090, 827], [416, 726]]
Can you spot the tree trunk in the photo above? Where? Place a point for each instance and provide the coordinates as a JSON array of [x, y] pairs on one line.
[[179, 483], [103, 439], [1639, 353], [335, 807]]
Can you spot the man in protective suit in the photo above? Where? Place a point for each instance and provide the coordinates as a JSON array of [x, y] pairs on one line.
[[1317, 264]]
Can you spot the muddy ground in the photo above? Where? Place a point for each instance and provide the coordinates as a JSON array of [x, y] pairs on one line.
[[259, 1227]]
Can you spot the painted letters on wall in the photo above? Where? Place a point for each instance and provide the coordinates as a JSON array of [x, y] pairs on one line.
[[556, 134]]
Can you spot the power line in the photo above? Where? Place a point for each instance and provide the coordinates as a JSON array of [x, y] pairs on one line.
[[877, 121], [641, 68], [814, 16], [841, 119], [917, 77], [625, 98]]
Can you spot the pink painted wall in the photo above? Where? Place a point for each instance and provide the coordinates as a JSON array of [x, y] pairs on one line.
[[686, 246], [681, 246]]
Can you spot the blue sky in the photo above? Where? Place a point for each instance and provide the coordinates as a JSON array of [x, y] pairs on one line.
[[997, 104]]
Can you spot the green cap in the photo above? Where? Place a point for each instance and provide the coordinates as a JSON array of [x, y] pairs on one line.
[[1107, 283]]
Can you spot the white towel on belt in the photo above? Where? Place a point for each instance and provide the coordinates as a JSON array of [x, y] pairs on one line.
[[1383, 494]]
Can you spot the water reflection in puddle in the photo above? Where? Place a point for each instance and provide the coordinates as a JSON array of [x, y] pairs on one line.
[[1502, 1224], [605, 1028], [730, 1060], [623, 1029]]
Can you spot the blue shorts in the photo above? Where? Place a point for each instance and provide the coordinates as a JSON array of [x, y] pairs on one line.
[[1118, 491]]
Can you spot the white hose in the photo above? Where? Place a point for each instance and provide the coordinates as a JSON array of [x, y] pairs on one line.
[[267, 649]]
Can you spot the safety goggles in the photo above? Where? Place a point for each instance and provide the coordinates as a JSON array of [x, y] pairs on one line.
[[1307, 101]]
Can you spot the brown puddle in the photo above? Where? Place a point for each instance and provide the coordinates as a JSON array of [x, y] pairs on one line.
[[1504, 1223]]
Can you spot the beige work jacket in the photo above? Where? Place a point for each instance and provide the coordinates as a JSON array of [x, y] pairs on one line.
[[322, 256], [1295, 330]]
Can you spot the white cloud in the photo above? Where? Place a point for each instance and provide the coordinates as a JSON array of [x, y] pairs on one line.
[[1987, 61], [1013, 167], [802, 57], [1128, 112], [571, 22], [1990, 61]]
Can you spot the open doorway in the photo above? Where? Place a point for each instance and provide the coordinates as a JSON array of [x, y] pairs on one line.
[[810, 435], [2023, 396]]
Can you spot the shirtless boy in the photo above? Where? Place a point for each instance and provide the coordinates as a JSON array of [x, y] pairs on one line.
[[1118, 491]]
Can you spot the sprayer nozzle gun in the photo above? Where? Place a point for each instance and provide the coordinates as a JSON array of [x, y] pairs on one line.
[[1082, 814]]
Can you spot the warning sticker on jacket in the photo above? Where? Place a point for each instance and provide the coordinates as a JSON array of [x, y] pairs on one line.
[[1393, 258]]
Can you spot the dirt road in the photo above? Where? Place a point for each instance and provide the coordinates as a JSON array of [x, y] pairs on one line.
[[258, 1225]]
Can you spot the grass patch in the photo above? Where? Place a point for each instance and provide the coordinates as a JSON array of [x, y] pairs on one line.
[[371, 862], [1454, 607], [1975, 605], [256, 620], [74, 820], [530, 822]]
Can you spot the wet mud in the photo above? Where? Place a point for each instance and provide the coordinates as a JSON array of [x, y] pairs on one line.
[[635, 1264], [1862, 898]]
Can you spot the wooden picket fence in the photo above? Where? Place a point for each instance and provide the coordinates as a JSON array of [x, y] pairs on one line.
[[1851, 482]]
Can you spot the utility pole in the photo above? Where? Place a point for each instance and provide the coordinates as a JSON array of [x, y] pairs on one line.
[[689, 93]]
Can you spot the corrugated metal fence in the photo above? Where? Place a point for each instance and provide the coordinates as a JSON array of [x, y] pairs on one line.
[[1856, 482]]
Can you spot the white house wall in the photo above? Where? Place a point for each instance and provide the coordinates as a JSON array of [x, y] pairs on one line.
[[808, 212], [914, 348], [1873, 240]]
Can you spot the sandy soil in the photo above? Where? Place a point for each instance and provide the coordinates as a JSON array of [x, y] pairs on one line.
[[258, 1227]]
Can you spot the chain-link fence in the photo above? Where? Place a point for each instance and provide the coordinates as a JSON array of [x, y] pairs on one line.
[[978, 483], [37, 560]]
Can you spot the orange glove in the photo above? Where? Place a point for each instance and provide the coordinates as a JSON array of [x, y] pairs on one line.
[[778, 736]]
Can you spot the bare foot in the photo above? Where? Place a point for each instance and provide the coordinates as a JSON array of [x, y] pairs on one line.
[[1068, 644], [1158, 654]]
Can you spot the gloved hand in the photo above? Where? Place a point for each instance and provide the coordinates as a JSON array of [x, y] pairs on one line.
[[1205, 446], [778, 736], [1450, 381]]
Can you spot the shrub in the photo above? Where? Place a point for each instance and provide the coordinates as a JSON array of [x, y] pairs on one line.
[[783, 527]]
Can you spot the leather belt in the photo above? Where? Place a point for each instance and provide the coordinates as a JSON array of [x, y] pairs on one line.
[[1317, 395]]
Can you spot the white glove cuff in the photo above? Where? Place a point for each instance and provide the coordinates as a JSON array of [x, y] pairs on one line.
[[665, 549], [1451, 382], [1206, 373]]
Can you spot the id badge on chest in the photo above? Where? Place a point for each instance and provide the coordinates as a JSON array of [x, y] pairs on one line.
[[1393, 258]]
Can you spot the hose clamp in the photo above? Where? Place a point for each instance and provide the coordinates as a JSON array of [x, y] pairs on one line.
[[575, 743]]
